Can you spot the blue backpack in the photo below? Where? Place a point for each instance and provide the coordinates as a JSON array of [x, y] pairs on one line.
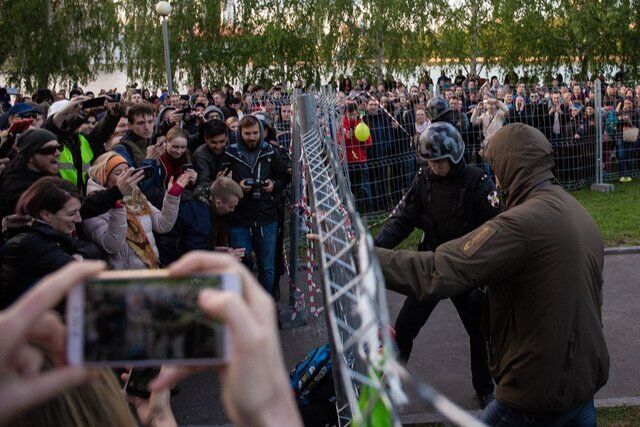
[[312, 379]]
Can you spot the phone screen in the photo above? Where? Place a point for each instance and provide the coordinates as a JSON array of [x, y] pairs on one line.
[[94, 102], [145, 321]]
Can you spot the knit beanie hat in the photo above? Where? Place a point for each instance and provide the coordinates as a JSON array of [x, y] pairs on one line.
[[32, 140], [111, 164]]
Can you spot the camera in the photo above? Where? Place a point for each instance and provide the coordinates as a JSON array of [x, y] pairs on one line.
[[255, 183], [256, 187]]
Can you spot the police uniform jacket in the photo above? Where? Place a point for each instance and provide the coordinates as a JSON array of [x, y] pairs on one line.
[[444, 208], [541, 261]]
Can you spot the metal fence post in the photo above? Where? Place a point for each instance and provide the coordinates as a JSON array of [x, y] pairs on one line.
[[598, 105], [296, 191], [599, 184]]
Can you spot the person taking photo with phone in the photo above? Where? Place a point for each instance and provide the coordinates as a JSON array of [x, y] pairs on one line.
[[193, 224], [125, 232], [79, 149], [136, 145]]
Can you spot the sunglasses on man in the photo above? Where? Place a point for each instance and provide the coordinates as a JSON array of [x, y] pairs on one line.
[[47, 151]]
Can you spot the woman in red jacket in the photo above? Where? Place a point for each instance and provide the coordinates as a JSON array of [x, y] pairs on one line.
[[357, 159]]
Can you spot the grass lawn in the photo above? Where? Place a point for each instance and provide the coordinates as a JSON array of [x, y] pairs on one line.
[[616, 213]]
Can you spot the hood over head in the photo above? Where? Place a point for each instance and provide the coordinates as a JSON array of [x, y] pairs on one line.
[[212, 108], [521, 158]]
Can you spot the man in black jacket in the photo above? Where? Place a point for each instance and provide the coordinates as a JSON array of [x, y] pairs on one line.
[[259, 170], [446, 201], [38, 156], [207, 158]]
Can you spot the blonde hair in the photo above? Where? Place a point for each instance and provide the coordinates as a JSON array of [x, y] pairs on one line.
[[223, 188], [99, 402], [176, 132]]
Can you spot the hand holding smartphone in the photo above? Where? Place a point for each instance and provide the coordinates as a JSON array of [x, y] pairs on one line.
[[145, 318], [96, 102]]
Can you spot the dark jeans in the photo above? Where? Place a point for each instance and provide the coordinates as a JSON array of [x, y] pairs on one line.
[[623, 149], [414, 314], [360, 186], [263, 241], [497, 414]]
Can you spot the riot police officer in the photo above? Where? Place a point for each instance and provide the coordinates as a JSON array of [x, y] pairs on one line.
[[446, 200]]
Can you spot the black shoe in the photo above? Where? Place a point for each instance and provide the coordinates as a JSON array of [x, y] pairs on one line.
[[485, 399]]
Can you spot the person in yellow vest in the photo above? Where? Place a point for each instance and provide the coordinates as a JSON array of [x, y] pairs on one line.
[[64, 119]]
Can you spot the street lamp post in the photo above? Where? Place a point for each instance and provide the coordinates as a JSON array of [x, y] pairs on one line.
[[163, 8]]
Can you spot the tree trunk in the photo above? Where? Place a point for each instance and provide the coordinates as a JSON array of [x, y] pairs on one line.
[[283, 75], [473, 67], [584, 67], [379, 58], [196, 74]]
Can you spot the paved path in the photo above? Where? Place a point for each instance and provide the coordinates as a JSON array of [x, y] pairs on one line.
[[441, 353]]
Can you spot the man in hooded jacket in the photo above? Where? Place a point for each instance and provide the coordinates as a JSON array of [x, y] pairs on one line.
[[446, 200], [541, 262]]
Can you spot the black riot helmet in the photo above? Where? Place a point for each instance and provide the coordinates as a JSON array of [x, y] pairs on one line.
[[440, 140], [437, 107]]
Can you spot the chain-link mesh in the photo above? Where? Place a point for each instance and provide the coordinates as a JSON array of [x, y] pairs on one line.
[[367, 375]]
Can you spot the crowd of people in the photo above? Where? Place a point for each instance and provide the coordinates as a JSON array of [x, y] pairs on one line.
[[139, 179], [382, 167], [138, 182]]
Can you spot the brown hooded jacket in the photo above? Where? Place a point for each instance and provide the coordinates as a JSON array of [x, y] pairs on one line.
[[541, 261]]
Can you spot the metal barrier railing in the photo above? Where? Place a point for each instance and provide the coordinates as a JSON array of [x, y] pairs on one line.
[[369, 380]]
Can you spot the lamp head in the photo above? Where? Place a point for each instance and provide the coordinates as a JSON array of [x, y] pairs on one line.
[[163, 8]]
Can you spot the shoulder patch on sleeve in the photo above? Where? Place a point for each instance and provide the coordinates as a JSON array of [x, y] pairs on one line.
[[477, 240], [493, 199]]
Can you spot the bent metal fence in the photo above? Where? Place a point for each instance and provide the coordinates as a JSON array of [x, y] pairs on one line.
[[370, 383]]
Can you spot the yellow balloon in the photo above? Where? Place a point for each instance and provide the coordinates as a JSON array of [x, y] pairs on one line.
[[362, 132]]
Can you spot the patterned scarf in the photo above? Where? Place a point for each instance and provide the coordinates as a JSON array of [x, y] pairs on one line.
[[136, 236]]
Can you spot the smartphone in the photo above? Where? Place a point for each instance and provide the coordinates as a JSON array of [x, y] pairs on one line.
[[149, 170], [187, 166], [139, 379], [145, 318], [98, 101], [13, 91], [20, 125]]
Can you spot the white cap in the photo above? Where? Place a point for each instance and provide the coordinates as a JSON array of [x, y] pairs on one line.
[[57, 106]]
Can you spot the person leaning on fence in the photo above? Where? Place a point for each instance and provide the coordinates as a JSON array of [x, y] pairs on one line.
[[541, 262]]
